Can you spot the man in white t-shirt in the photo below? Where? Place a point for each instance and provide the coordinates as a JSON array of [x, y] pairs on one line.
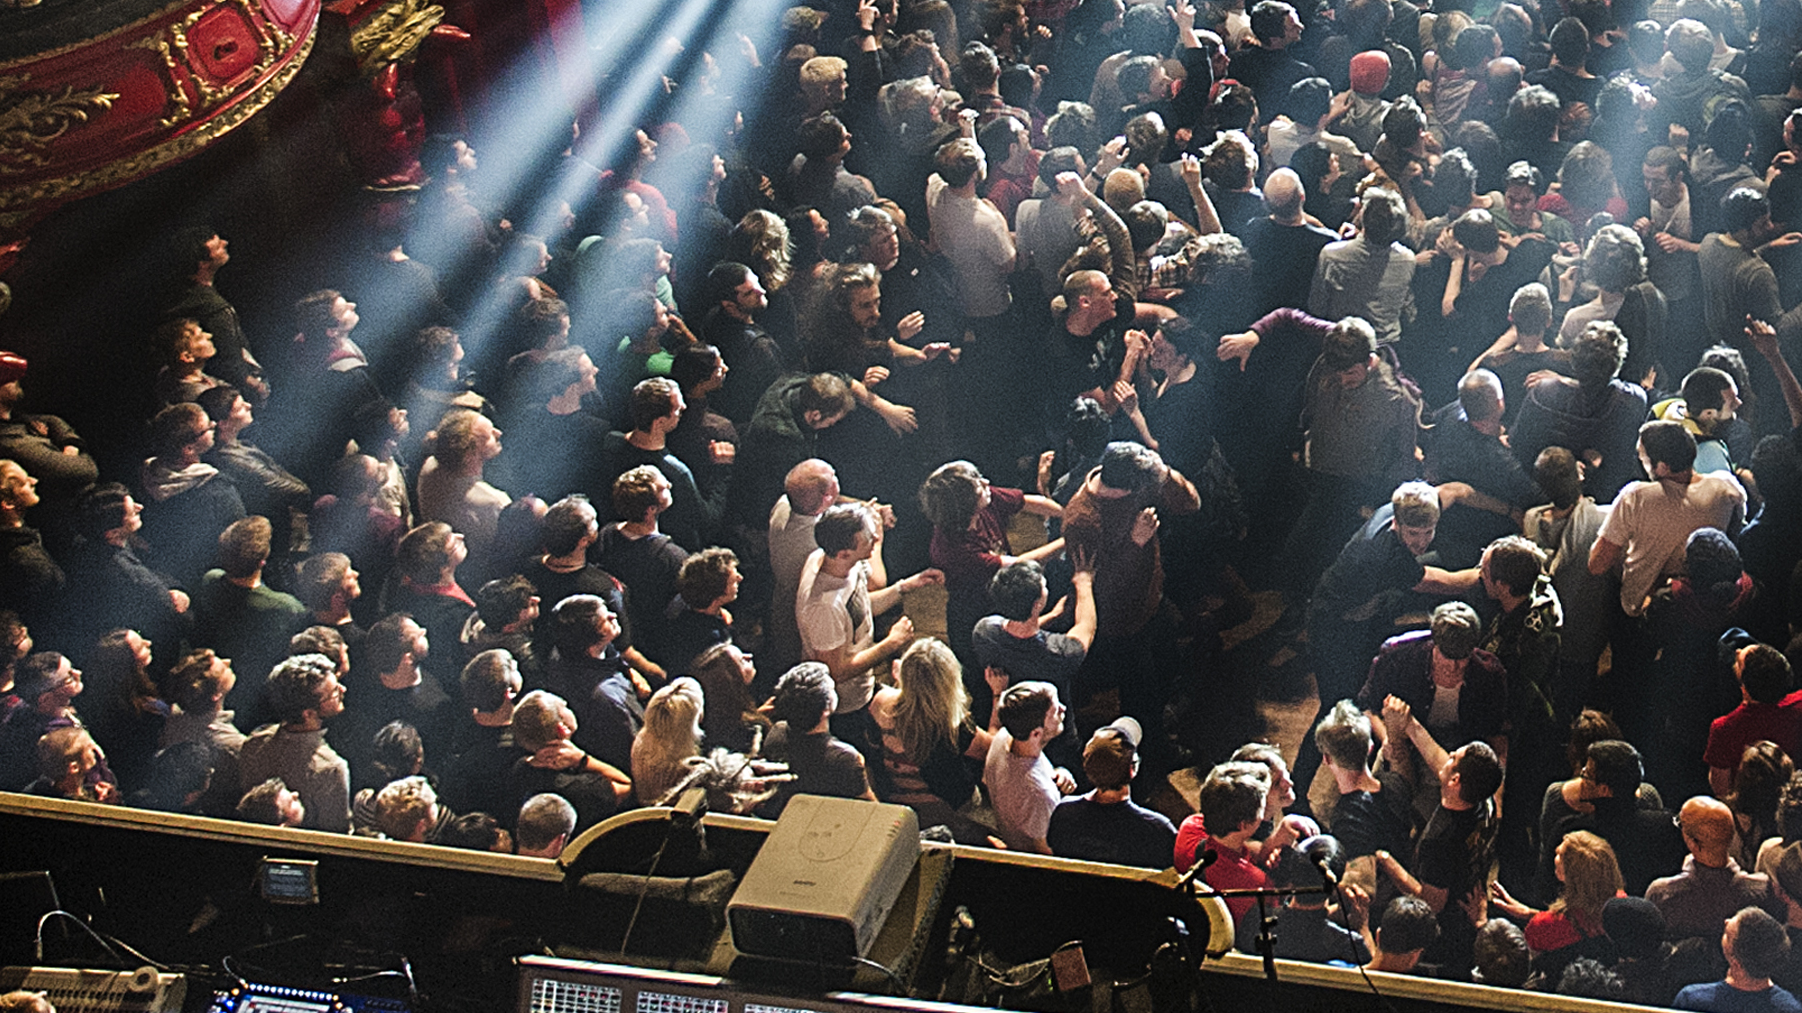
[[1023, 785], [969, 230], [809, 489], [1651, 522], [842, 588]]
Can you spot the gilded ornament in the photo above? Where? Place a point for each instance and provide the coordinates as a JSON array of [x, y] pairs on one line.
[[178, 60], [393, 32], [178, 96], [31, 120], [18, 205]]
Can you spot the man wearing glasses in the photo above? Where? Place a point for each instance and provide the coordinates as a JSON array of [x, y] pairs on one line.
[[1608, 806]]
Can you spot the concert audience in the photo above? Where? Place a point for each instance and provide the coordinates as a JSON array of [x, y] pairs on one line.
[[1274, 440]]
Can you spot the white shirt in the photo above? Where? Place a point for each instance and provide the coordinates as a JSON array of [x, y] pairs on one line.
[[1023, 791], [834, 612], [974, 237], [1652, 522]]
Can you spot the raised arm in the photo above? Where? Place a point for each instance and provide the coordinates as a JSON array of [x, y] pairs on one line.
[[1083, 581], [1764, 338], [1207, 220], [1122, 267]]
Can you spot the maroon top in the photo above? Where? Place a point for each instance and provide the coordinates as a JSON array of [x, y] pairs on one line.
[[971, 556], [1129, 578]]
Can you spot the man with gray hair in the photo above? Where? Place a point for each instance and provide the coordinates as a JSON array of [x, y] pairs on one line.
[[546, 822], [1284, 245], [1372, 811], [1465, 445]]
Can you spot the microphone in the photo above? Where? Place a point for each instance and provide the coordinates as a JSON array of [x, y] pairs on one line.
[[1325, 866], [1203, 858]]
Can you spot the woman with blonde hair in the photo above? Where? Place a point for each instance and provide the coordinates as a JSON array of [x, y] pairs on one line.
[[932, 752], [667, 758], [670, 740], [1589, 876]]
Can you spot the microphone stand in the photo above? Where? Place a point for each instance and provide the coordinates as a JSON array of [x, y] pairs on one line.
[[1266, 940]]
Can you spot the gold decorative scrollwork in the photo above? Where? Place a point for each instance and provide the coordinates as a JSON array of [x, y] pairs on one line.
[[183, 110], [18, 205], [393, 32], [31, 120], [178, 59]]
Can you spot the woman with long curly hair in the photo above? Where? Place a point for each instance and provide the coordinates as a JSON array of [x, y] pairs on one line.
[[730, 718], [848, 334], [931, 751], [1764, 770], [1589, 876]]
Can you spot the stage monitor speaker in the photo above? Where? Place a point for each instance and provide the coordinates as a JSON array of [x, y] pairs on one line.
[[824, 880]]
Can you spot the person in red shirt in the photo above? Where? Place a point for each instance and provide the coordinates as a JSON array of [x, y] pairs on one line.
[[1232, 804], [1589, 876], [1765, 713]]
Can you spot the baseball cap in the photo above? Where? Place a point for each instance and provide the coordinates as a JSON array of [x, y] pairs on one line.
[[1108, 757]]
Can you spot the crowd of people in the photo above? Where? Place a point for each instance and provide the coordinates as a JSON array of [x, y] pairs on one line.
[[1458, 331]]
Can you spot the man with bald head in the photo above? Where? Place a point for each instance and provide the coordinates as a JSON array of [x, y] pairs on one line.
[[1506, 76], [1465, 445], [1712, 887], [809, 488], [1284, 245]]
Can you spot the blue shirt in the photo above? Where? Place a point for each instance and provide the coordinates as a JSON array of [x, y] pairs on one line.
[[1720, 997], [1711, 455]]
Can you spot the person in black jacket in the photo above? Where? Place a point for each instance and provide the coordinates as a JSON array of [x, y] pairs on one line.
[[190, 504], [267, 488], [30, 581], [110, 587]]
